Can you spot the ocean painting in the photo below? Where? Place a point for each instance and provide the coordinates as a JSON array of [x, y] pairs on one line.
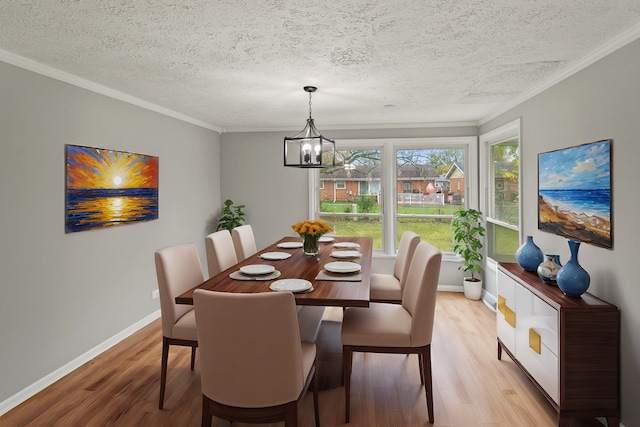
[[105, 188], [574, 193]]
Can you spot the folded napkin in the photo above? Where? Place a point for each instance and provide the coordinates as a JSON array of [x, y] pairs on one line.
[[339, 277], [238, 275]]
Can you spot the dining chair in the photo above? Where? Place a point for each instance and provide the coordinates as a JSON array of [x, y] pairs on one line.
[[387, 287], [221, 253], [255, 368], [178, 269], [244, 242], [404, 328]]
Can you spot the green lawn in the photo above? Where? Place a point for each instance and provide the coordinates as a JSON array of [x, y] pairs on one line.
[[436, 231]]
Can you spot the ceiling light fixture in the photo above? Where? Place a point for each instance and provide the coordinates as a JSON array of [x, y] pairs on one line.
[[309, 149]]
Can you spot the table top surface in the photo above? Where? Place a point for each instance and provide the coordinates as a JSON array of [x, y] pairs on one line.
[[300, 266]]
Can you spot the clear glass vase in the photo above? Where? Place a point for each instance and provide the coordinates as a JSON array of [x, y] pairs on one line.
[[311, 244]]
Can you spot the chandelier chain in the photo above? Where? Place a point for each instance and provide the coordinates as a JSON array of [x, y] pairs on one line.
[[309, 104]]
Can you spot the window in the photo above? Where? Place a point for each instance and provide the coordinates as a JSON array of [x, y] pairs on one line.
[[390, 186], [501, 179]]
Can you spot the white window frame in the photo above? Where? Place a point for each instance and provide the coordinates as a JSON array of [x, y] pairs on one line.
[[496, 136], [388, 148]]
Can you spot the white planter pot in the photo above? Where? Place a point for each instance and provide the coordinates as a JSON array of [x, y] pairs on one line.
[[472, 290]]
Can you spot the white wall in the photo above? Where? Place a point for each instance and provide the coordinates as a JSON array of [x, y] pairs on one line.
[[599, 102], [63, 294]]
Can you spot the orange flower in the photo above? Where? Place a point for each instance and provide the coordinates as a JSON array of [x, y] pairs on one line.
[[312, 227]]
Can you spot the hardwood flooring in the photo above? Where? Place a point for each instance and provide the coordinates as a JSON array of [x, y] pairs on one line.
[[471, 386]]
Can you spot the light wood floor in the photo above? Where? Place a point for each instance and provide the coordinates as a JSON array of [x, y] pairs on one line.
[[471, 387]]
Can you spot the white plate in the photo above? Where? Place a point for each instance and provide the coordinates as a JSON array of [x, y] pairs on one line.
[[346, 245], [324, 239], [257, 269], [290, 245], [275, 255], [342, 267], [290, 285], [345, 254]]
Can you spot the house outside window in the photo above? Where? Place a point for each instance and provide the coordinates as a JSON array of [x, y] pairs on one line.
[[390, 186]]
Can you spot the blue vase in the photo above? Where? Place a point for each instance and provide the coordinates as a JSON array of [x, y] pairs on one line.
[[529, 256], [572, 279]]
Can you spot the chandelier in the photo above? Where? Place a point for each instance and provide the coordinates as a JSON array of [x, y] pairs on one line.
[[309, 149]]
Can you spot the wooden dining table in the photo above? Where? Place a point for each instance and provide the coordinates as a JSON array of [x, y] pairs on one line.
[[336, 292]]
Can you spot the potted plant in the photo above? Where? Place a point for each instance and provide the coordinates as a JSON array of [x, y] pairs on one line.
[[231, 216], [467, 242]]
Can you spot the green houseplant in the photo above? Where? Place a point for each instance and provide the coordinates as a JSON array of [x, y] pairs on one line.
[[231, 216], [467, 242]]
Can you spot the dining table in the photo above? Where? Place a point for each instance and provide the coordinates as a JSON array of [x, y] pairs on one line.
[[329, 287]]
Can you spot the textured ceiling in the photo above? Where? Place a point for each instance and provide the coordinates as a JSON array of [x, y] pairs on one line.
[[241, 64]]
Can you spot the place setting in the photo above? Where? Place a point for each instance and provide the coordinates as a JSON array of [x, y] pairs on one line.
[[290, 245], [291, 285], [255, 272], [346, 245], [341, 271], [346, 254], [274, 256]]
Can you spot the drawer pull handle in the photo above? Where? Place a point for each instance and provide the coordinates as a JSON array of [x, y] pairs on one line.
[[534, 341], [510, 317], [502, 304]]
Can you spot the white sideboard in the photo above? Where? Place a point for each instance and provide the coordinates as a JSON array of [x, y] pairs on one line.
[[567, 346]]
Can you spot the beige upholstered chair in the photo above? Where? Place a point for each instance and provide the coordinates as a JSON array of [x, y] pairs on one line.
[[255, 369], [221, 253], [178, 269], [389, 287], [393, 328], [244, 241]]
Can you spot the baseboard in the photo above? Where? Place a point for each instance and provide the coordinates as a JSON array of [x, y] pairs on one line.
[[54, 376], [450, 288]]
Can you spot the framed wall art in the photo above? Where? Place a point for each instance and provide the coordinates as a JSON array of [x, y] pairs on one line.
[[105, 188], [574, 193]]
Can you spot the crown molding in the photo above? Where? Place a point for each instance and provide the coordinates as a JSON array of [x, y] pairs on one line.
[[54, 73]]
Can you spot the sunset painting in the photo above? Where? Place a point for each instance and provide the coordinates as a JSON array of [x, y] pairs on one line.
[[574, 193], [107, 187]]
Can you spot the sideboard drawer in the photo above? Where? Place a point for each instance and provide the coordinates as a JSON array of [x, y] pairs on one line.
[[506, 315], [537, 340]]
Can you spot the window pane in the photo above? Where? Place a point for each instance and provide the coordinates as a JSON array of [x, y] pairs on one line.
[[505, 158], [429, 189], [502, 243], [436, 231], [350, 226], [350, 195], [503, 204]]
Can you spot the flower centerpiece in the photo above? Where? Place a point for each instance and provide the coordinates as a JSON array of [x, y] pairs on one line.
[[310, 231]]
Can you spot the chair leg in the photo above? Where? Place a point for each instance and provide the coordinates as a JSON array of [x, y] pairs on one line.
[[428, 383], [421, 365], [193, 357], [291, 415], [206, 416], [316, 410], [347, 358], [163, 370]]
